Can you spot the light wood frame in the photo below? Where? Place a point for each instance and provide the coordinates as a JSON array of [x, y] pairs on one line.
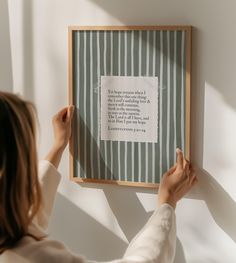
[[188, 30]]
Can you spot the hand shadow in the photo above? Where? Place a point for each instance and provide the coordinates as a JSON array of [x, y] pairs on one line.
[[221, 206]]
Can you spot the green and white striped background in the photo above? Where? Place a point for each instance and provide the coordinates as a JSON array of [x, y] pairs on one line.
[[128, 53]]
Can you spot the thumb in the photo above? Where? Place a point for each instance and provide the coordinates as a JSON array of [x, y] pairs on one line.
[[180, 159], [70, 112]]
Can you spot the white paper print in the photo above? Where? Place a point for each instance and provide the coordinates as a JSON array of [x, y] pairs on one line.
[[129, 108]]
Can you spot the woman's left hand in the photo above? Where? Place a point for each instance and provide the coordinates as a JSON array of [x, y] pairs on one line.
[[62, 122]]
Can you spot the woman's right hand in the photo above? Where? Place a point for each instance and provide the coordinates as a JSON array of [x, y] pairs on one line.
[[177, 181]]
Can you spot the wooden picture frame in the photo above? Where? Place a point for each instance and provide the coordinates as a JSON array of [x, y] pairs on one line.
[[169, 53]]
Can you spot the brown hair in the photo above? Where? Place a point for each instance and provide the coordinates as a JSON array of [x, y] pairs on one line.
[[20, 193]]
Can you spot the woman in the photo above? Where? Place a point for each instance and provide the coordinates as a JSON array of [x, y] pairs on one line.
[[27, 193]]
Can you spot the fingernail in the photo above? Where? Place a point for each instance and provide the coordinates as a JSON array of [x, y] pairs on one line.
[[178, 150]]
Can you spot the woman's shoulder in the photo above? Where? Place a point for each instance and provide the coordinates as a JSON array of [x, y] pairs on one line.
[[45, 250]]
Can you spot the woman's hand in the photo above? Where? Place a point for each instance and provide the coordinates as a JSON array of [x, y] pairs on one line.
[[177, 181], [62, 122], [62, 127]]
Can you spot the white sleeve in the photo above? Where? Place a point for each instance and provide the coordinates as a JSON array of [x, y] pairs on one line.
[[49, 179], [156, 242]]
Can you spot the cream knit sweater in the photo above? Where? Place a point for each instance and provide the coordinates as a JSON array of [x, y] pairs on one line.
[[154, 243]]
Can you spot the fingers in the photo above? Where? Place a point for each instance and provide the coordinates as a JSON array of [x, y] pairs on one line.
[[182, 163], [62, 112], [180, 159], [171, 170], [65, 114], [70, 112]]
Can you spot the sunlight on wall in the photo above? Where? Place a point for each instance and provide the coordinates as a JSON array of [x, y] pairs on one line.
[[219, 138]]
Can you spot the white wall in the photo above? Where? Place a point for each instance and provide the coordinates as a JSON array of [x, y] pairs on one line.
[[98, 221]]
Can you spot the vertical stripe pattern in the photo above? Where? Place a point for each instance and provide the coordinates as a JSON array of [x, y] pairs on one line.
[[129, 53]]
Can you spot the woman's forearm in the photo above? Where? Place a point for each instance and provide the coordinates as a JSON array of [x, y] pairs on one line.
[[54, 155]]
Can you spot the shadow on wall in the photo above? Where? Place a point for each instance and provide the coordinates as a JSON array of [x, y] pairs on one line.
[[221, 206], [28, 62], [6, 75], [82, 233], [219, 203], [6, 79]]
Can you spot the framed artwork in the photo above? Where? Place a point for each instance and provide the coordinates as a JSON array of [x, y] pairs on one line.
[[131, 89]]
